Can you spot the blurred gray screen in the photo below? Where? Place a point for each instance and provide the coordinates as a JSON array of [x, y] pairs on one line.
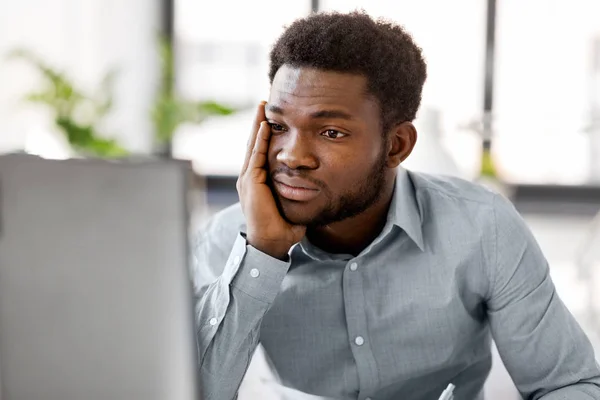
[[95, 295]]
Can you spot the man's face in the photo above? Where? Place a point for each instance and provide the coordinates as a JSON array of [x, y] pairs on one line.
[[327, 155]]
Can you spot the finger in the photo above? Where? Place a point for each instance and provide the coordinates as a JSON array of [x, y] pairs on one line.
[[260, 117], [258, 159]]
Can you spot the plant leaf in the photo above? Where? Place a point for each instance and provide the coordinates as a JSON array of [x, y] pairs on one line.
[[104, 96], [85, 139], [213, 108], [66, 101]]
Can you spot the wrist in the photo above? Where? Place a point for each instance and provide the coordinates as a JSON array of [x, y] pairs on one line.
[[274, 249]]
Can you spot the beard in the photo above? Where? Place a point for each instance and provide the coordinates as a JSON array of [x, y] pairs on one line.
[[351, 203]]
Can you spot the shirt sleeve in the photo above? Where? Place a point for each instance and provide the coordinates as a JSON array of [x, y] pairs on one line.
[[544, 349], [229, 312]]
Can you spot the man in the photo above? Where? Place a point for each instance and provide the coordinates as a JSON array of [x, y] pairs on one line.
[[362, 280]]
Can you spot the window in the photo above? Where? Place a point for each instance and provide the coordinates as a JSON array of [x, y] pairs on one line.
[[223, 46], [547, 91]]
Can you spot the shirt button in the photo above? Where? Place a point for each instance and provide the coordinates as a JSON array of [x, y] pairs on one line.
[[236, 260], [254, 273], [359, 341], [353, 266], [213, 321]]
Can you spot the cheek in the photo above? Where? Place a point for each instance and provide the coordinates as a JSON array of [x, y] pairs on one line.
[[353, 163], [343, 171], [272, 151]]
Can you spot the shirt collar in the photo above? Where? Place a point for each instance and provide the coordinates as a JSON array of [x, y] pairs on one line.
[[404, 209], [404, 212]]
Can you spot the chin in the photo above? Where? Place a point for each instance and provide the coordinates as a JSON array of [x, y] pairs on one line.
[[298, 213]]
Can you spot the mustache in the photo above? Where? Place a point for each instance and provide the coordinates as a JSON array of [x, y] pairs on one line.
[[292, 173]]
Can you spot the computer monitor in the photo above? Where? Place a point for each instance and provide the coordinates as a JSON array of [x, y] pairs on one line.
[[95, 289]]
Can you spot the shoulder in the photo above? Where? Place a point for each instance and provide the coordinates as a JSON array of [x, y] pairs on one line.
[[436, 192], [230, 219], [442, 188], [467, 209], [222, 228], [478, 226], [213, 242]]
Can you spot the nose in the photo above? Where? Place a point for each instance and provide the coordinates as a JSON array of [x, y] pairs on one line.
[[296, 151]]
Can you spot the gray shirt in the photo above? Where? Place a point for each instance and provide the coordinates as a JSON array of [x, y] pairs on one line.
[[454, 266]]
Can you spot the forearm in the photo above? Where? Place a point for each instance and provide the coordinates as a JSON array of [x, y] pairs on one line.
[[226, 350], [229, 313]]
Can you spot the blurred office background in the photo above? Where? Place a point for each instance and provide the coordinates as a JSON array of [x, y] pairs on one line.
[[523, 75]]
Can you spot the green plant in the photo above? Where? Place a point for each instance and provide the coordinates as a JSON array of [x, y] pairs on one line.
[[170, 110], [76, 113]]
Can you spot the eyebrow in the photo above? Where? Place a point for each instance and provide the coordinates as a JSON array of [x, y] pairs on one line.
[[318, 114]]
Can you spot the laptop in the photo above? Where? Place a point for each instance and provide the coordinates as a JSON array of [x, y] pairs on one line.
[[95, 289]]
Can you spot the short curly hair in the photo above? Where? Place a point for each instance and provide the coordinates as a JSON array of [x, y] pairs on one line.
[[380, 50]]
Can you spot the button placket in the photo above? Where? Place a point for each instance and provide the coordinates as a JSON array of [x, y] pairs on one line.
[[356, 322]]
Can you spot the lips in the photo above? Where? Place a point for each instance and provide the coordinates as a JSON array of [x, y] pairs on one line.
[[296, 189]]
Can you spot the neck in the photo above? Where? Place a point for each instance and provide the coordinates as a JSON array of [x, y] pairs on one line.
[[353, 235]]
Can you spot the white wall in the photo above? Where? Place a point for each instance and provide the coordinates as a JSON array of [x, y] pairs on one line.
[[85, 38]]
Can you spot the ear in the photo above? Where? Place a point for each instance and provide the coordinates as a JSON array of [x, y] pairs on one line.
[[402, 139]]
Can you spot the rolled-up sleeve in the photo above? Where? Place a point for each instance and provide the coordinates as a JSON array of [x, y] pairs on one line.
[[544, 349], [229, 312]]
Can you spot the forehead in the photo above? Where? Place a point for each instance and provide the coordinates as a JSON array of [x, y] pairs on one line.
[[310, 88]]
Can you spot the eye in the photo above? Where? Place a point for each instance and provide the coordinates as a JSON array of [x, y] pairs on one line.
[[333, 134], [276, 128]]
